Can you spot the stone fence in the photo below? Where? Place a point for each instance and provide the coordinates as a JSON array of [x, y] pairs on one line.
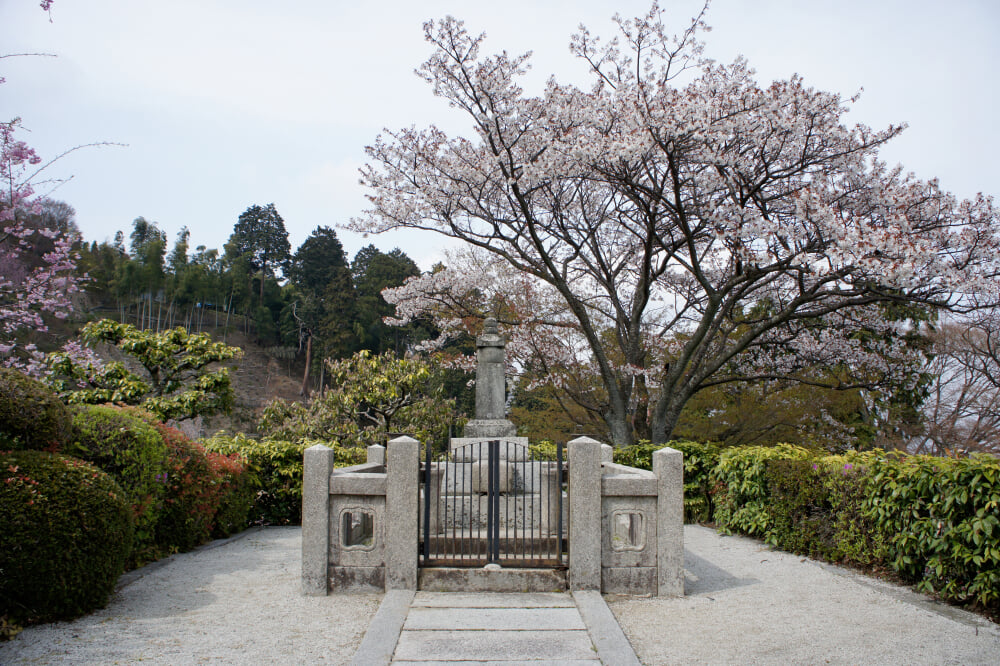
[[360, 523]]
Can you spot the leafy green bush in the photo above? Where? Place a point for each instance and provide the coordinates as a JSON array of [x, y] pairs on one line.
[[740, 486], [639, 455], [700, 458], [936, 521], [236, 494], [31, 416], [67, 534], [801, 515], [192, 497], [131, 450], [544, 450], [942, 515], [275, 468], [370, 398]]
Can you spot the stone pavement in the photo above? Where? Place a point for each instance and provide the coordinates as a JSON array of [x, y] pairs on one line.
[[494, 628]]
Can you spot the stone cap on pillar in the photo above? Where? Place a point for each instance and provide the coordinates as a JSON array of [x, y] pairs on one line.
[[581, 440], [490, 337]]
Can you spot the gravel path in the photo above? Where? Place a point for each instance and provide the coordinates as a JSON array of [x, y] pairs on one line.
[[238, 602], [747, 604], [235, 603]]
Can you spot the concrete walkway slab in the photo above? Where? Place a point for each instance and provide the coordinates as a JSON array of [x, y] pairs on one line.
[[494, 645], [533, 662], [505, 619], [503, 629]]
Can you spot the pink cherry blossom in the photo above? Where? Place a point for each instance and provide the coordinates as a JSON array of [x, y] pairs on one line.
[[677, 224]]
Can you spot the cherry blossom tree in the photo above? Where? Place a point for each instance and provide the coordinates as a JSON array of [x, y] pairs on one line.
[[697, 227], [34, 282]]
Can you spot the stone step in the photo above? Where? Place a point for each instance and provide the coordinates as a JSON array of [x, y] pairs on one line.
[[456, 579], [425, 599]]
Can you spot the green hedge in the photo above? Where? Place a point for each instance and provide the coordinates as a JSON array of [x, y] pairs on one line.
[[941, 516], [935, 521], [276, 473], [66, 536], [131, 450], [31, 416], [739, 485]]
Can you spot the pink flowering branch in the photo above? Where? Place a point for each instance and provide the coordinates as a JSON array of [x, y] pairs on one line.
[[34, 283]]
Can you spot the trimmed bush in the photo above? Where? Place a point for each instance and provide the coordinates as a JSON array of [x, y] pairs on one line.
[[192, 497], [31, 416], [858, 537], [66, 536], [236, 496], [207, 494], [935, 521], [943, 516], [801, 515], [131, 450], [276, 471], [739, 486]]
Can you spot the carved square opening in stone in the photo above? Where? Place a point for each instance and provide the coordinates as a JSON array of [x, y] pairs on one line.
[[627, 531], [357, 529]]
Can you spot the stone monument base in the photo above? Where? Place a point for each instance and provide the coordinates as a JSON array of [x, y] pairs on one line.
[[490, 429], [512, 448]]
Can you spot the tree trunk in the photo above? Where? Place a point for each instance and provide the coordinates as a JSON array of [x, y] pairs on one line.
[[665, 419], [621, 430], [304, 392]]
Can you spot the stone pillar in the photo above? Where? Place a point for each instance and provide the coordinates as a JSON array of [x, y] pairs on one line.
[[317, 465], [584, 514], [491, 387], [607, 453], [668, 466], [376, 454], [401, 506]]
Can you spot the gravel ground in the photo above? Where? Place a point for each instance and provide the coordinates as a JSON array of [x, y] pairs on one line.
[[239, 602], [747, 604], [233, 602]]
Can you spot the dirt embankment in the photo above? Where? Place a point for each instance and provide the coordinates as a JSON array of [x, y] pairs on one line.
[[259, 377]]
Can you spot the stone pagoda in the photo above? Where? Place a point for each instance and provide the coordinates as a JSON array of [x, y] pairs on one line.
[[491, 419]]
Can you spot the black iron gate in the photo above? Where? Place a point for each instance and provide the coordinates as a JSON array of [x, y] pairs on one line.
[[492, 502]]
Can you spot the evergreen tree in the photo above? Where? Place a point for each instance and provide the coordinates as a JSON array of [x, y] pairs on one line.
[[373, 271], [324, 308], [260, 237]]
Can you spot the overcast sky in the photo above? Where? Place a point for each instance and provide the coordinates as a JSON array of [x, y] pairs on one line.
[[225, 104]]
